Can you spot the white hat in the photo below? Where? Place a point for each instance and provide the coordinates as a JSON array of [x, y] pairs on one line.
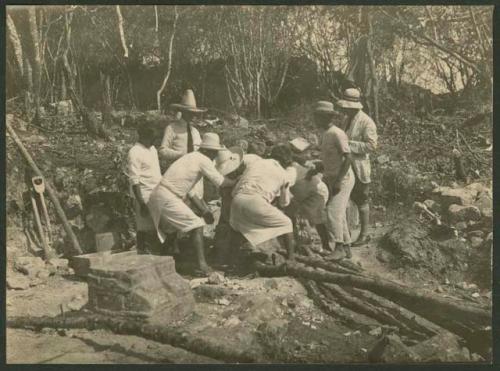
[[350, 99], [211, 141], [188, 103], [324, 106], [228, 160]]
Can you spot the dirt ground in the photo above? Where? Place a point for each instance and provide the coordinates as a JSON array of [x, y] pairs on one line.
[[272, 317]]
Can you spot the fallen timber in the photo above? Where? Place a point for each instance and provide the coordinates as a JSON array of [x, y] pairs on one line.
[[466, 320], [160, 333]]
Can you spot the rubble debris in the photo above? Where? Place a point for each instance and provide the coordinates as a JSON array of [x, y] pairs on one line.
[[216, 278]]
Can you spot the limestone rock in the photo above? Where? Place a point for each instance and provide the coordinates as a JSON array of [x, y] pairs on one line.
[[390, 349], [139, 285], [459, 196], [216, 278], [444, 347], [73, 206], [382, 159], [29, 265], [17, 282], [458, 213], [485, 204], [58, 265]]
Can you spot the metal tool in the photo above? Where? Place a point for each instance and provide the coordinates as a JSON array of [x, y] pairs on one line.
[[39, 186]]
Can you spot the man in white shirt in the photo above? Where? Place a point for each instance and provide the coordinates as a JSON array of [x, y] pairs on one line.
[[181, 137], [167, 203], [144, 174], [252, 211]]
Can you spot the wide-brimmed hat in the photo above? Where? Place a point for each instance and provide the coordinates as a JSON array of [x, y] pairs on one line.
[[188, 103], [211, 141], [324, 106], [350, 99], [228, 160]]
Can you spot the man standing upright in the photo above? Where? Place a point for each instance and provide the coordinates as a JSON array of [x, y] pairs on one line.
[[181, 137], [362, 134], [143, 169], [338, 176]]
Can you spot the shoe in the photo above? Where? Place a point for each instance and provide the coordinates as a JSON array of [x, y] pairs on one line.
[[362, 240], [337, 254]]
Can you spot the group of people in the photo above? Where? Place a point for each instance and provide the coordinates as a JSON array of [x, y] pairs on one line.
[[262, 193]]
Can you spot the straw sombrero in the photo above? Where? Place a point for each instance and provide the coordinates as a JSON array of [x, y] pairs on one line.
[[188, 103]]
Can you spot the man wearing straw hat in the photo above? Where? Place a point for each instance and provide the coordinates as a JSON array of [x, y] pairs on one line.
[[362, 134], [338, 175], [167, 203], [181, 137]]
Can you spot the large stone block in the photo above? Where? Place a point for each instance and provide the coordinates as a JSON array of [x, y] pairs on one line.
[[81, 263], [139, 285]]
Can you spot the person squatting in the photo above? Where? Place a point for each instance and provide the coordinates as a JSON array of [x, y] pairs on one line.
[[263, 191]]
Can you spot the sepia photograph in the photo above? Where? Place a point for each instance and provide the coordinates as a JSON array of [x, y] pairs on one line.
[[248, 184]]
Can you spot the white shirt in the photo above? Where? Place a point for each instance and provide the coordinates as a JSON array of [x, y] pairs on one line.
[[143, 168], [175, 138], [187, 171], [250, 158], [264, 177]]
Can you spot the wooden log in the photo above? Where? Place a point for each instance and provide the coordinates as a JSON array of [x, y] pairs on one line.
[[52, 194], [461, 318], [363, 307], [163, 334], [342, 314], [409, 318], [320, 263]]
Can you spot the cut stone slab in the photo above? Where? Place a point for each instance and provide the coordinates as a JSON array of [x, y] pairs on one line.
[[81, 263], [144, 286], [458, 213]]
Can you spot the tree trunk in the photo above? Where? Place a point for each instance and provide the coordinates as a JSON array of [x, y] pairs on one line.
[[36, 60], [121, 31], [16, 44], [373, 71], [64, 94], [169, 63], [28, 84]]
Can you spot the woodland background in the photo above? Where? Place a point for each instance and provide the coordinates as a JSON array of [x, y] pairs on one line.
[[258, 61]]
